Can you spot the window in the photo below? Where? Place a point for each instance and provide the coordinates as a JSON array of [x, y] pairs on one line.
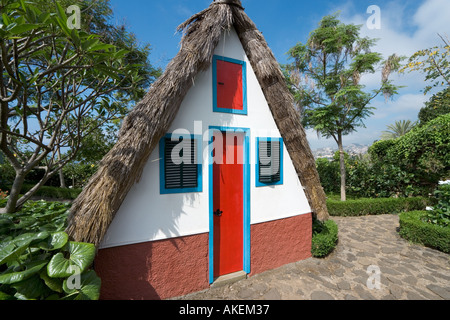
[[269, 166], [180, 167], [230, 85]]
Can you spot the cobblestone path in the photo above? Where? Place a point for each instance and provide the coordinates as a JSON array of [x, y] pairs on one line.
[[371, 261]]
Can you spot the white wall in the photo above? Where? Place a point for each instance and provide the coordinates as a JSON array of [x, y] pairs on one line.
[[146, 215]]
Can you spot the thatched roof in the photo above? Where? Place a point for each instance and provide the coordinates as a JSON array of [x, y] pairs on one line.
[[95, 208]]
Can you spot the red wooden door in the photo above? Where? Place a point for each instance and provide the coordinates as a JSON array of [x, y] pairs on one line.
[[228, 184], [229, 86]]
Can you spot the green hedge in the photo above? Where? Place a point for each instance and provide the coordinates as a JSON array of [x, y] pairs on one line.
[[50, 192], [325, 238], [412, 228], [375, 206]]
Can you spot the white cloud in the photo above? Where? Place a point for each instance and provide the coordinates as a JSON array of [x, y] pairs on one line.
[[405, 107], [404, 33]]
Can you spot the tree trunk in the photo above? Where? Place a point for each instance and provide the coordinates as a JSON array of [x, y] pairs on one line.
[[61, 173], [61, 179], [11, 205], [342, 167]]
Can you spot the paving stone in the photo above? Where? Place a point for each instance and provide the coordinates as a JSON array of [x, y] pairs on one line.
[[396, 291], [390, 271], [403, 270], [273, 294], [414, 296], [246, 293], [389, 250], [408, 271], [344, 285], [321, 295], [363, 293], [411, 280], [440, 291]]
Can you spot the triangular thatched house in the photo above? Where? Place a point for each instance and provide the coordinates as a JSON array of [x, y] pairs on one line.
[[212, 173]]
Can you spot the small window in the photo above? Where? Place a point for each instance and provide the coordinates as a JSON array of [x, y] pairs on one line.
[[180, 166], [229, 87], [269, 167]]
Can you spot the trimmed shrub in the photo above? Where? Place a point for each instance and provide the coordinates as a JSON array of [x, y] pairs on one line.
[[375, 206], [324, 239], [414, 229], [51, 192]]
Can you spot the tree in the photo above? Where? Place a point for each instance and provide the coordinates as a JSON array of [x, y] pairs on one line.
[[59, 84], [325, 78], [438, 105], [434, 62], [399, 129]]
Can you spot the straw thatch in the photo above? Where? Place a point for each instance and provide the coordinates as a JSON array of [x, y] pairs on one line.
[[95, 208]]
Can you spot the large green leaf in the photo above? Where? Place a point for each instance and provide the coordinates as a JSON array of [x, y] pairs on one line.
[[89, 288], [56, 241], [81, 255], [11, 276], [21, 28], [53, 283], [4, 296], [11, 250], [31, 288]]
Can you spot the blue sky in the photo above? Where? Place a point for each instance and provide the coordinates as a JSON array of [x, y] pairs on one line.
[[406, 26]]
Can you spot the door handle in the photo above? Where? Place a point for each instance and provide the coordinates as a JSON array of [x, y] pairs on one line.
[[218, 213]]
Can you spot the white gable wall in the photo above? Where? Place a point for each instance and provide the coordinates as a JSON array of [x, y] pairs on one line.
[[146, 215]]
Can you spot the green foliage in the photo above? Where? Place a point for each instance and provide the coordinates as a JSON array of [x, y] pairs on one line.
[[325, 238], [397, 130], [438, 105], [415, 229], [78, 174], [361, 207], [7, 173], [434, 62], [325, 77], [329, 175], [37, 260], [52, 192], [424, 152], [368, 176], [440, 214], [64, 87]]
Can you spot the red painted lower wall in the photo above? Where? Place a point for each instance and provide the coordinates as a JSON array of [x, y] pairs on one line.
[[280, 242], [175, 267], [154, 270]]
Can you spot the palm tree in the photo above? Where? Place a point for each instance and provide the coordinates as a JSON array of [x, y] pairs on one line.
[[397, 130]]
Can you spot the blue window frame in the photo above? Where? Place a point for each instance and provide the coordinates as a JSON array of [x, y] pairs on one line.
[[180, 164], [216, 83], [269, 161]]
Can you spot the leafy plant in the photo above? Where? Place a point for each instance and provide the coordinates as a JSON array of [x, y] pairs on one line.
[[440, 214], [399, 129], [324, 239], [37, 260], [361, 207], [61, 84], [3, 194], [415, 229], [325, 79], [434, 63]]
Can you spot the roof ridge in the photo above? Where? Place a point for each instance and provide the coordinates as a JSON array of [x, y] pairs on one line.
[[236, 3]]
